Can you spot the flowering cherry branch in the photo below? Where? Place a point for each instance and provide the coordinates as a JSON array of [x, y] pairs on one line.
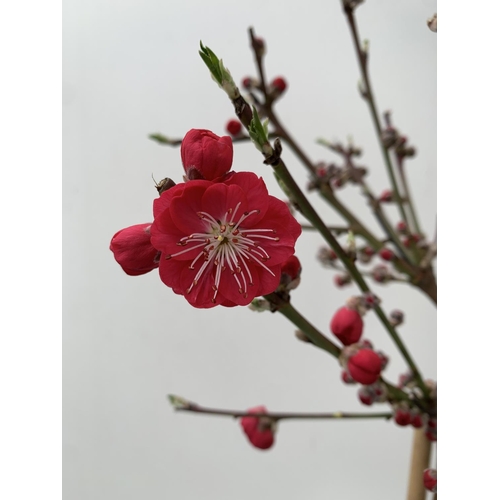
[[424, 279], [362, 56], [220, 239], [180, 404]]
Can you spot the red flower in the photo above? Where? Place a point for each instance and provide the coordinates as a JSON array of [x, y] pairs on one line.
[[206, 155], [233, 127], [365, 366], [133, 250], [259, 430], [347, 325], [222, 243]]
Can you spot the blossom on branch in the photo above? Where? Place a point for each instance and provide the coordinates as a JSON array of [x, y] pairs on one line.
[[259, 430], [222, 242]]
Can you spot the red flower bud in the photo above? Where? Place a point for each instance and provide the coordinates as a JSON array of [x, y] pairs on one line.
[[369, 251], [365, 396], [417, 420], [341, 280], [133, 250], [279, 84], [402, 226], [346, 378], [365, 366], [233, 127], [386, 196], [290, 273], [259, 430], [347, 325], [206, 155], [386, 254], [430, 480], [248, 83], [402, 416]]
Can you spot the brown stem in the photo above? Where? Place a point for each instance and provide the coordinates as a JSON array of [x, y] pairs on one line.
[[368, 94], [420, 456], [194, 408]]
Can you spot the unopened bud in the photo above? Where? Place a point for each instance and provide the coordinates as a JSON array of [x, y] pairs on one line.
[[346, 378], [234, 127], [430, 480], [402, 227], [402, 416], [278, 86], [432, 22], [364, 366], [386, 254], [341, 280], [386, 196], [396, 317], [302, 337], [365, 395]]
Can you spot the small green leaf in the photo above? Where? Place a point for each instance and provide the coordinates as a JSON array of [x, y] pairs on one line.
[[177, 401]]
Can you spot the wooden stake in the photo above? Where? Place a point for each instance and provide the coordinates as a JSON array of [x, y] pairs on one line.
[[421, 453]]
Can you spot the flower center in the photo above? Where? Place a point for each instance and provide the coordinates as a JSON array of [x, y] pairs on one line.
[[229, 247]]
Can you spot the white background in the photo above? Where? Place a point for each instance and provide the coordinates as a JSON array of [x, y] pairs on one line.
[[132, 68]]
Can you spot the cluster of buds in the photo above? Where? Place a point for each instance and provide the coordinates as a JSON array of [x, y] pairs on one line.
[[324, 174], [375, 393], [391, 138], [404, 415], [401, 148], [259, 430]]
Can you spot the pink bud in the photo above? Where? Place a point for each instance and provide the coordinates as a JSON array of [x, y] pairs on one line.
[[248, 82], [430, 480], [259, 430], [402, 226], [132, 249], [279, 84], [369, 251], [341, 280], [365, 396], [386, 254], [347, 325], [402, 416], [206, 155], [233, 127], [290, 273], [385, 197], [346, 378], [364, 366], [417, 419]]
